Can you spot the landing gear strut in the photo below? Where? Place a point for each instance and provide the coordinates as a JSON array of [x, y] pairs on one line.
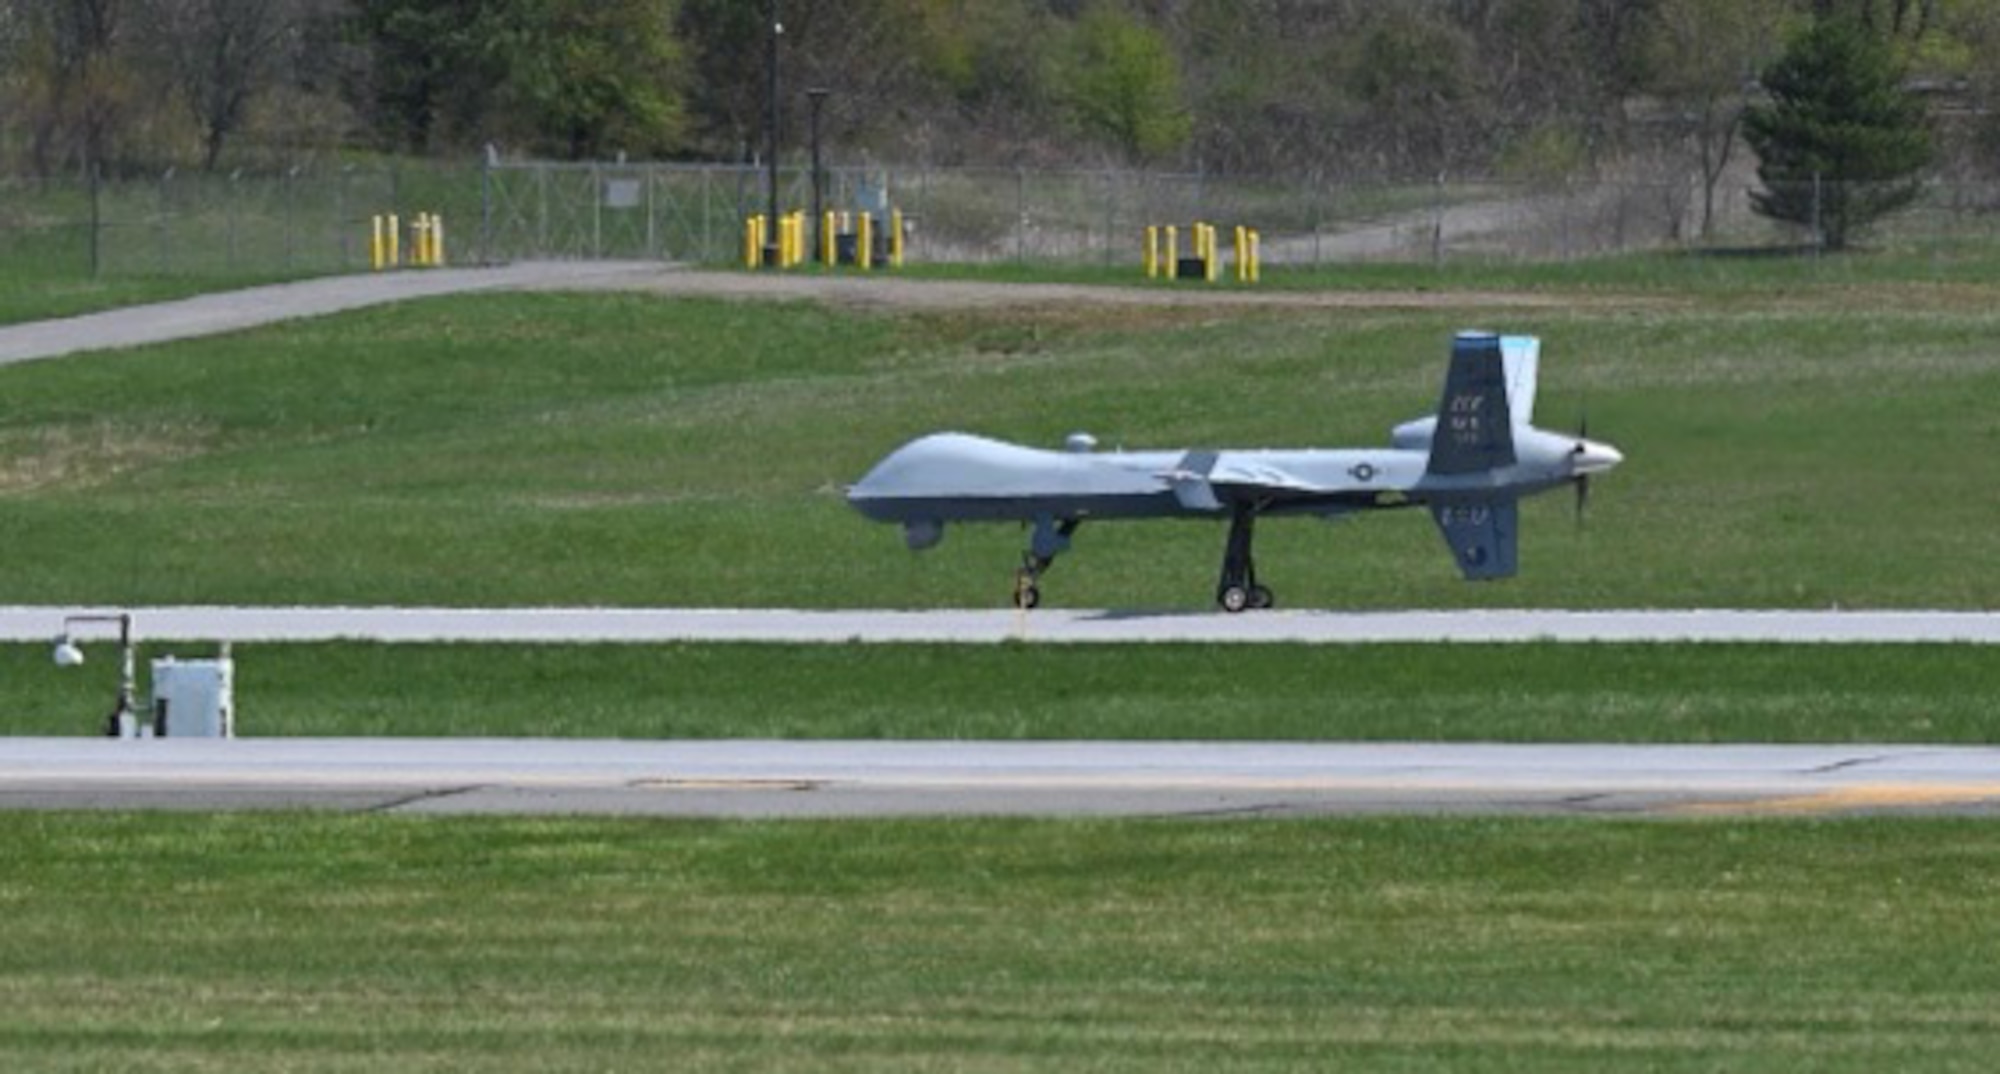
[[1238, 590], [1051, 538]]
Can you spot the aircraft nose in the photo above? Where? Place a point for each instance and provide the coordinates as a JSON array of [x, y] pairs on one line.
[[1591, 457]]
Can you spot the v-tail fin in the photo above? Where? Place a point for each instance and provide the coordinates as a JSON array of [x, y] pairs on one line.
[[1475, 426], [1483, 535]]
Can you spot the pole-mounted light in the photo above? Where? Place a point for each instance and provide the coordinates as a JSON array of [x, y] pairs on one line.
[[122, 723]]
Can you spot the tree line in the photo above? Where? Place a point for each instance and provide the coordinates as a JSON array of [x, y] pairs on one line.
[[1335, 88]]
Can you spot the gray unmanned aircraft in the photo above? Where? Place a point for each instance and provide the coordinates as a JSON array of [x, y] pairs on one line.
[[1470, 464]]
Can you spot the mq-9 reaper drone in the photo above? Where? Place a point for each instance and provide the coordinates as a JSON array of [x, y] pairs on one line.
[[1470, 464]]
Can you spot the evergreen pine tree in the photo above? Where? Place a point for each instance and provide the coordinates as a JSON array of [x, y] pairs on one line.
[[1840, 141]]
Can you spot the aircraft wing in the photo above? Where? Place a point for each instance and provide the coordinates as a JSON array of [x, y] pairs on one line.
[[1263, 478], [1483, 536]]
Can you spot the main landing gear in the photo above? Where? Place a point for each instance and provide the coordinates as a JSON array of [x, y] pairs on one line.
[[1238, 590], [1050, 539]]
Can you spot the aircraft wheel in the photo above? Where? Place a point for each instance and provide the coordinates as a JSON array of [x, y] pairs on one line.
[[1233, 598], [1261, 597], [1026, 593]]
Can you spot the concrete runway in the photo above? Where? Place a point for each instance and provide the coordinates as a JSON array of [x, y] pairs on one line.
[[991, 626], [887, 779]]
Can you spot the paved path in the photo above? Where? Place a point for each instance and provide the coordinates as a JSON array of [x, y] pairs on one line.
[[234, 311], [850, 779], [990, 626]]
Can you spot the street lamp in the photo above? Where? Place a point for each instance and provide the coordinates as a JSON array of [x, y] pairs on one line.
[[123, 722], [817, 95]]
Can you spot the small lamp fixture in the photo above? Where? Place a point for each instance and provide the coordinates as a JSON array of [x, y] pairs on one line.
[[123, 721]]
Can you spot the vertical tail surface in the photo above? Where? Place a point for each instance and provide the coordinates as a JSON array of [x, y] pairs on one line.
[[1475, 426]]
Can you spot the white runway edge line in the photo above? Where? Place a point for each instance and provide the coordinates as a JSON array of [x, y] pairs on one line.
[[652, 625]]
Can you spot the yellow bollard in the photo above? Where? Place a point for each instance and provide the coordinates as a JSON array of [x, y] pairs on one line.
[[1241, 237], [828, 233], [1173, 259], [864, 240], [1210, 256], [375, 245], [1256, 256], [1151, 256], [437, 240], [395, 241], [895, 238]]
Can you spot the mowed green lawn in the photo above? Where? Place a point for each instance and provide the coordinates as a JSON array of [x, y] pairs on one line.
[[1515, 693], [327, 943], [1822, 447]]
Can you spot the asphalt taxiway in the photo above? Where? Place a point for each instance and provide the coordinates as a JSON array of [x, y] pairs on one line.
[[758, 779]]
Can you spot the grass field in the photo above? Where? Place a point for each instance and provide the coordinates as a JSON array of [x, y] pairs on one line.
[[1824, 449], [1528, 693], [1792, 443], [316, 943]]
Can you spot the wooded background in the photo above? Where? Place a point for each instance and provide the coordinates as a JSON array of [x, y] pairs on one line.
[[1338, 90]]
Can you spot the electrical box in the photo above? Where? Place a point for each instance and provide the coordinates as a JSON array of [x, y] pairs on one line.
[[194, 698]]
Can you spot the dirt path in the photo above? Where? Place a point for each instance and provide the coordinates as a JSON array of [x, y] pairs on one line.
[[894, 292]]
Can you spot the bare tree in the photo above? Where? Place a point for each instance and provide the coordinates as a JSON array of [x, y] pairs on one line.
[[76, 83], [1705, 55], [220, 54]]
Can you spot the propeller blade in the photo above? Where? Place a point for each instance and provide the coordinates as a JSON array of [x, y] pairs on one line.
[[1582, 498]]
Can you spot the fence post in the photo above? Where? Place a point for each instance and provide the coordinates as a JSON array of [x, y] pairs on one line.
[[96, 219], [1020, 215], [1818, 226], [1437, 222], [290, 190], [160, 232], [652, 174], [231, 214], [487, 162]]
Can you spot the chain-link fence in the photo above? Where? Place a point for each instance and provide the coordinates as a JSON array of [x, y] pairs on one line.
[[304, 222]]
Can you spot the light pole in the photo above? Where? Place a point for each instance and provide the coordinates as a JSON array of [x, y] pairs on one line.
[[817, 95], [122, 723], [770, 251]]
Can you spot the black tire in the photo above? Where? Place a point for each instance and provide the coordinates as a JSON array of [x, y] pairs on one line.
[[1027, 597], [1261, 597]]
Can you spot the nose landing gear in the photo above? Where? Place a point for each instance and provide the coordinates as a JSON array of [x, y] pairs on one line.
[[1050, 539]]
